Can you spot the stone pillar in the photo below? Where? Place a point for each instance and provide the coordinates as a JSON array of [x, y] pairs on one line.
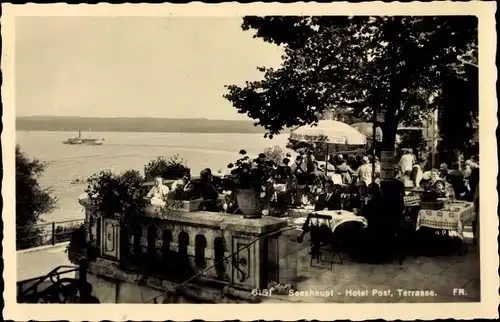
[[251, 240]]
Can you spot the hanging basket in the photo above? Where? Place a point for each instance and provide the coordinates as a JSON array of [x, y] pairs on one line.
[[248, 203]]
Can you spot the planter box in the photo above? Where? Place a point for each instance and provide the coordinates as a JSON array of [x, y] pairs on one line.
[[186, 205]]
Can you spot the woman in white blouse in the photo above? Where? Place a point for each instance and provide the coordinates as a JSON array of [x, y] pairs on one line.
[[158, 193]]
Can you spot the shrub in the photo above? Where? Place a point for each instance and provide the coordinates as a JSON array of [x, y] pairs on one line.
[[167, 168], [121, 194], [31, 200]]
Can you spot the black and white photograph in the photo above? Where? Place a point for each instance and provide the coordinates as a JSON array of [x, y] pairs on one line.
[[195, 155]]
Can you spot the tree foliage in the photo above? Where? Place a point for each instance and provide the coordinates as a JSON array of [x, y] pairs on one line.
[[31, 200], [392, 63], [460, 110]]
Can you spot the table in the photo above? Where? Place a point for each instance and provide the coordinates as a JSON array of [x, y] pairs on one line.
[[339, 217], [453, 216]]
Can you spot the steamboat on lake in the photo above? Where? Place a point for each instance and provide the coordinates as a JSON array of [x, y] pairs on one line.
[[80, 140]]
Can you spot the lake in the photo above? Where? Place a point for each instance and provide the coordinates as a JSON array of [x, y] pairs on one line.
[[123, 151]]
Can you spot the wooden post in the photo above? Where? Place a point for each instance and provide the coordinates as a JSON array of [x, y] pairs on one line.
[[374, 128]]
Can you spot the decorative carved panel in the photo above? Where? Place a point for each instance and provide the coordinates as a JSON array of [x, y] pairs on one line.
[[110, 238], [241, 261]]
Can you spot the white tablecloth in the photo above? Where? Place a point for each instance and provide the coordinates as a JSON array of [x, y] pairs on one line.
[[452, 217], [338, 218]]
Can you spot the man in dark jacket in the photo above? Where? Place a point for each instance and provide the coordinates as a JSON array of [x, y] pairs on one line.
[[328, 200], [207, 190], [456, 179]]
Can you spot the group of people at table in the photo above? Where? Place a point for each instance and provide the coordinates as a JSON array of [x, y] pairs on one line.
[[306, 184]]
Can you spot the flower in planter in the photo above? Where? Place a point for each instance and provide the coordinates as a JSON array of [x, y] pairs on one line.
[[252, 174]]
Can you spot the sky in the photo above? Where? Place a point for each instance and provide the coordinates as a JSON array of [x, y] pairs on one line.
[[171, 67]]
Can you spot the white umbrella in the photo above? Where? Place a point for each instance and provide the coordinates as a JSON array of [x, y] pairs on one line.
[[329, 131]]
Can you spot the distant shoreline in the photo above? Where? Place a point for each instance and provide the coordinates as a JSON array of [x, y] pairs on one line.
[[146, 125]]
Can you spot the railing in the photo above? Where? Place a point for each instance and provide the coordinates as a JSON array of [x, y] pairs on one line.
[[46, 234], [61, 289]]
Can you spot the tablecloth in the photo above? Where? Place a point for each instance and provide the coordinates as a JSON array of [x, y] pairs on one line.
[[453, 217], [411, 200], [339, 217]]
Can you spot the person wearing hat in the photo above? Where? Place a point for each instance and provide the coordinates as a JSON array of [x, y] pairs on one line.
[[345, 171], [443, 171], [207, 190], [364, 172]]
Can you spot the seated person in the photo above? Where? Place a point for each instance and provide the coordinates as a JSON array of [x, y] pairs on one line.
[[158, 193], [358, 199], [372, 203], [207, 190], [330, 200], [182, 186]]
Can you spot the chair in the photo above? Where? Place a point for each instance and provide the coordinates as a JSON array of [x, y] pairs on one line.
[[321, 236]]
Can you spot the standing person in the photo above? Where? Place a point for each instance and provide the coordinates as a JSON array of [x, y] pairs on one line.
[[459, 158], [364, 172], [456, 179], [299, 166], [299, 171], [443, 171], [377, 167], [418, 172], [473, 179], [345, 171], [406, 162], [351, 161], [475, 223], [468, 168]]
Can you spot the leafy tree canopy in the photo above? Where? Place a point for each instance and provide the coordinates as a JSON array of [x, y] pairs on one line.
[[31, 200], [392, 63]]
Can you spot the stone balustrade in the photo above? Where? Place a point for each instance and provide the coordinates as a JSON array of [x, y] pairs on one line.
[[188, 243]]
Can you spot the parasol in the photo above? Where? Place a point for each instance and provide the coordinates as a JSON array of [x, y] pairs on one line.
[[329, 131]]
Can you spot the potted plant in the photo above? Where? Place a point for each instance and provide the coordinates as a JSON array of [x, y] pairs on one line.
[[173, 167], [252, 179]]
